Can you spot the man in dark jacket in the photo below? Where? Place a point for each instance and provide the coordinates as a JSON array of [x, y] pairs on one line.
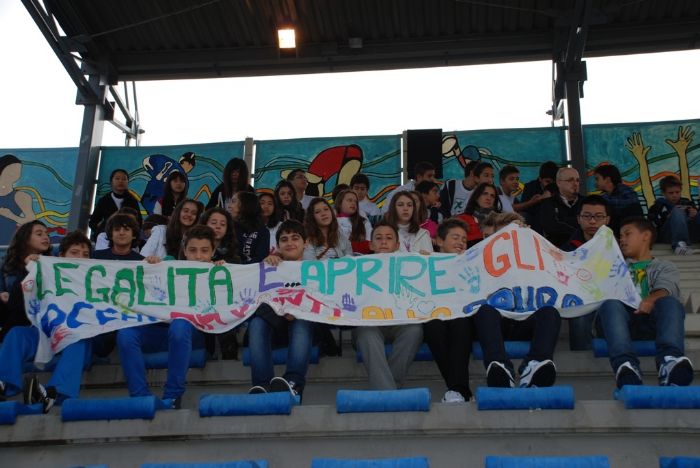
[[558, 214]]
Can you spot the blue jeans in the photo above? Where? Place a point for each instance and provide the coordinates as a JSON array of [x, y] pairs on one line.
[[176, 338], [581, 332], [676, 228], [262, 369], [620, 325], [20, 346]]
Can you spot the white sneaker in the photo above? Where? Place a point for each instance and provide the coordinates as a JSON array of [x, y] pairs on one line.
[[683, 249], [538, 374], [453, 397]]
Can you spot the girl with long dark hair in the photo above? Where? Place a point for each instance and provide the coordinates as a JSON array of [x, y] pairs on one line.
[[287, 202], [175, 191], [270, 214], [236, 178], [352, 224], [226, 243], [482, 201], [166, 240], [324, 237], [30, 240], [253, 236], [403, 214]]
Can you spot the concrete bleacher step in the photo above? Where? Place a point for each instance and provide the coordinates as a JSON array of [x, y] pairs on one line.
[[579, 364], [450, 435]]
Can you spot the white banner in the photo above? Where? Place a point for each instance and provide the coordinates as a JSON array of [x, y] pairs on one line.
[[516, 270]]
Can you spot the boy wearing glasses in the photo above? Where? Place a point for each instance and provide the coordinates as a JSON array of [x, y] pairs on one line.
[[595, 212]]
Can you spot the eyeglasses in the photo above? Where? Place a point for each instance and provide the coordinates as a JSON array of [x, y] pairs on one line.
[[571, 179], [588, 217]]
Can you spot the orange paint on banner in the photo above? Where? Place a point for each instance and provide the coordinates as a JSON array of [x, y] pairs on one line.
[[502, 263]]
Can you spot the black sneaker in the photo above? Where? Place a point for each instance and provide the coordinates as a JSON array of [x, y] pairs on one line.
[[2, 391], [33, 392], [280, 384], [49, 399], [538, 374], [29, 389], [676, 371], [627, 374], [257, 390], [498, 375], [177, 403]]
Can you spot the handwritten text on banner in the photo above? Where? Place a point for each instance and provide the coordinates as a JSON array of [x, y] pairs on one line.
[[516, 270]]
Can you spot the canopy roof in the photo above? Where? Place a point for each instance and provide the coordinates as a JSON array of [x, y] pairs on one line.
[[178, 39]]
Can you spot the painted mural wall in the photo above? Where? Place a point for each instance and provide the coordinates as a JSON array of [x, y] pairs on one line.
[[38, 183], [331, 161], [645, 153], [149, 166], [525, 148], [35, 184]]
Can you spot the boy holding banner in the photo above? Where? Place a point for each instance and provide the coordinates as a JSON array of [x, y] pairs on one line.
[[383, 373], [450, 341], [595, 213], [660, 315], [177, 337], [541, 328], [291, 238]]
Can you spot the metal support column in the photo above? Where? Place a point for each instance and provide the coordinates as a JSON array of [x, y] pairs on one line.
[[88, 158], [248, 146], [573, 105], [569, 76]]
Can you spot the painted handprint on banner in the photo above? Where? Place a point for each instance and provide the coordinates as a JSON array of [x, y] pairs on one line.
[[156, 290], [472, 277], [349, 303]]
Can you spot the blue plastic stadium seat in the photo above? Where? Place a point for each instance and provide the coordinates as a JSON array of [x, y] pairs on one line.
[[377, 401], [279, 356], [641, 348], [679, 462], [558, 397], [198, 359], [231, 464], [653, 397], [596, 461], [514, 349], [247, 404], [414, 462], [423, 353]]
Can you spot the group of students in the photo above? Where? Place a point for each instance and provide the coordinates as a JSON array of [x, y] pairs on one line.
[[238, 226]]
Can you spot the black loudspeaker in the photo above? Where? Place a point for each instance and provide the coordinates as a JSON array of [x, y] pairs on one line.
[[424, 145]]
